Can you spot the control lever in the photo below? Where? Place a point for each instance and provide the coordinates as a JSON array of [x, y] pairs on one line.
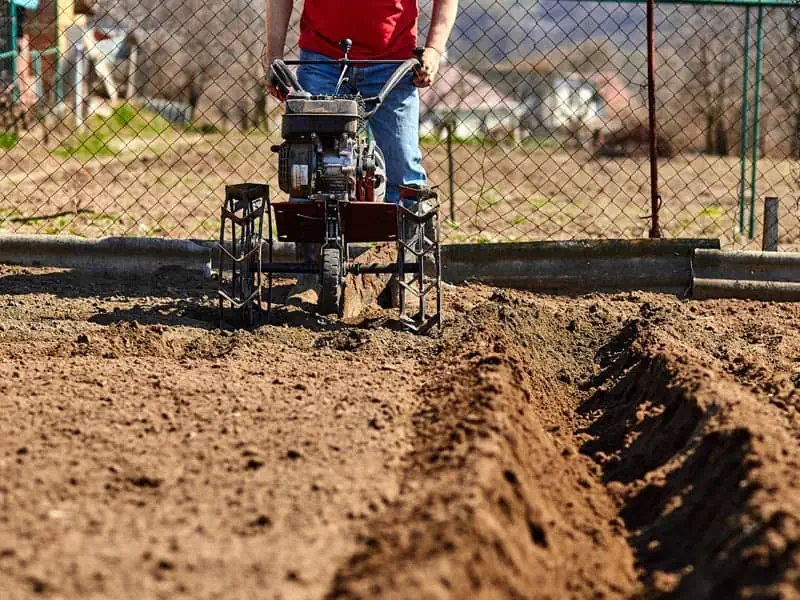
[[346, 45]]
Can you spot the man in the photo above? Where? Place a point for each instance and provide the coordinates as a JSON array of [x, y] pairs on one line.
[[380, 30]]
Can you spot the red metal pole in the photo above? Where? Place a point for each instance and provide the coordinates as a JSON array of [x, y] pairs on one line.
[[655, 199]]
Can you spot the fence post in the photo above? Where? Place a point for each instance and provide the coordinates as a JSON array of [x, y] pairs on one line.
[[655, 230], [450, 167], [15, 91], [771, 232], [37, 71], [79, 91], [133, 66], [745, 108], [59, 82], [756, 120]]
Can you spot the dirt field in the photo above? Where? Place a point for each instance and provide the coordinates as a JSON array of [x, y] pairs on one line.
[[609, 446], [171, 184]]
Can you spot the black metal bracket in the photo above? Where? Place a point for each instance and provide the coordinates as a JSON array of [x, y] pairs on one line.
[[419, 261]]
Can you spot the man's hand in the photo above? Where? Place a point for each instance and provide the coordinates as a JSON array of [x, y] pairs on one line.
[[271, 82], [272, 88], [431, 60], [443, 17], [276, 92]]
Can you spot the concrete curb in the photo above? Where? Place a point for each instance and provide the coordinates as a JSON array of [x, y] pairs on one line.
[[577, 267], [114, 255], [747, 275], [573, 267]]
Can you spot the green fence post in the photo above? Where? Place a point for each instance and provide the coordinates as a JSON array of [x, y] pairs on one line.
[[756, 120], [14, 51], [745, 109]]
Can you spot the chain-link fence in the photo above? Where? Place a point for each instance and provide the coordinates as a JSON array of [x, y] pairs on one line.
[[536, 127]]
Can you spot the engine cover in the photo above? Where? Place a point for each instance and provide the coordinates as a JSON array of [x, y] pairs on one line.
[[323, 115], [325, 152], [296, 165]]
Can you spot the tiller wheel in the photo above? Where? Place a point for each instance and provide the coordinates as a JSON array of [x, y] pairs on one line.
[[419, 260], [239, 247]]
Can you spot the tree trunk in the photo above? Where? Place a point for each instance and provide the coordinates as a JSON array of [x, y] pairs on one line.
[[793, 24], [721, 138], [716, 134], [709, 132]]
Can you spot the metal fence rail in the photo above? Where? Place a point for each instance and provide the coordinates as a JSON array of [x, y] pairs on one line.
[[537, 127]]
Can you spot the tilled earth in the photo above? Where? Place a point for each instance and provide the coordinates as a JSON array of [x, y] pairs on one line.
[[607, 446]]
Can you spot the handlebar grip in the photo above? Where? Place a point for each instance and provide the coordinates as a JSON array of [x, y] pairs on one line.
[[276, 82], [283, 78]]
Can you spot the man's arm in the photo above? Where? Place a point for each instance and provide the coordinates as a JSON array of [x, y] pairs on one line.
[[442, 20], [277, 24]]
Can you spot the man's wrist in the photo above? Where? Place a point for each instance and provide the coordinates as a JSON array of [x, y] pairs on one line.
[[439, 52]]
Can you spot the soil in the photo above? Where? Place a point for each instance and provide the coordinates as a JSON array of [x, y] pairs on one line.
[[606, 446], [173, 186]]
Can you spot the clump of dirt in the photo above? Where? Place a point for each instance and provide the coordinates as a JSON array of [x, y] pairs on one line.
[[364, 290], [349, 340]]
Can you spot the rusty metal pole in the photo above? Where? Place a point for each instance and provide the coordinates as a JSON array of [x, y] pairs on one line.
[[655, 199], [451, 168]]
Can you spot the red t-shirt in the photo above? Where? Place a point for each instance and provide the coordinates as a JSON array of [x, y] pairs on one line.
[[380, 29]]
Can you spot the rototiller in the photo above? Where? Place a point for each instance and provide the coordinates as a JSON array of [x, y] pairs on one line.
[[335, 178]]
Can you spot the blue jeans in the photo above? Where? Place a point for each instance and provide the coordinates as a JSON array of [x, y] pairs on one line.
[[395, 125]]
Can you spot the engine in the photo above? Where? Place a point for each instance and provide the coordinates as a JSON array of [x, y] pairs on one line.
[[326, 152]]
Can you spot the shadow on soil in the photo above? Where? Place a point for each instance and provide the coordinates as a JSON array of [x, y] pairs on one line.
[[168, 283], [204, 314], [693, 526], [174, 297]]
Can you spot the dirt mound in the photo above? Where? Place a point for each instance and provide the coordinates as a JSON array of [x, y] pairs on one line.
[[703, 474], [492, 487]]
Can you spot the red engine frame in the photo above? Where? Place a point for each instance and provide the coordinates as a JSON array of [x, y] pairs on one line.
[[362, 222]]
